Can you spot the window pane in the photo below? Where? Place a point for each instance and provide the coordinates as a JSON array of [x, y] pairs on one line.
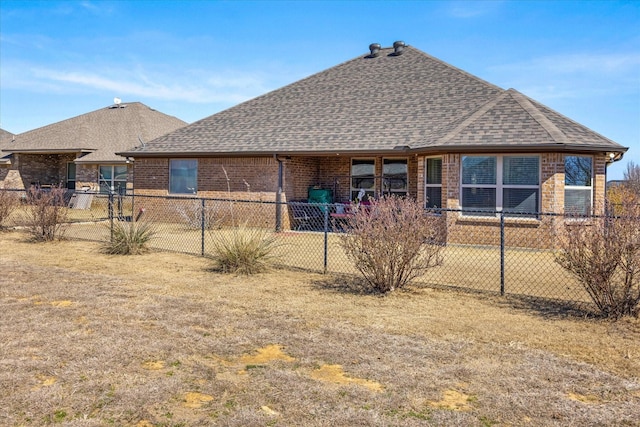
[[106, 173], [362, 167], [520, 171], [479, 170], [520, 200], [365, 183], [183, 175], [434, 197], [362, 175], [577, 171], [394, 167], [434, 171], [120, 173], [577, 201], [479, 199], [394, 173], [71, 171]]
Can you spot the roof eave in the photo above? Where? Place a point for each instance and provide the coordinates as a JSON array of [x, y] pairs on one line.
[[48, 151], [388, 152]]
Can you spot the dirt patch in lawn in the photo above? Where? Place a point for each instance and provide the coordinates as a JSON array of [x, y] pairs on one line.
[[159, 340]]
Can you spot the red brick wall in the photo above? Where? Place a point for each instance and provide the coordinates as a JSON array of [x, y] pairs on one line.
[[46, 169], [256, 178]]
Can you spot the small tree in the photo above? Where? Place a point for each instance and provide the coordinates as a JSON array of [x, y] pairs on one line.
[[46, 214], [604, 255], [8, 204], [632, 178], [392, 242]]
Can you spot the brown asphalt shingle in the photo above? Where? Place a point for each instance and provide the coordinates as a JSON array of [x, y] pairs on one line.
[[5, 139], [101, 133], [376, 104]]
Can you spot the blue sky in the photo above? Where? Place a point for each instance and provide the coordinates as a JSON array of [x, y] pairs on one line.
[[191, 59]]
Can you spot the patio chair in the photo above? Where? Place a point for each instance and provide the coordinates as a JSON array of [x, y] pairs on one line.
[[306, 216]]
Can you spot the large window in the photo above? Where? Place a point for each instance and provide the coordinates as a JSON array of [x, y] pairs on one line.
[[183, 176], [578, 184], [112, 178], [363, 177], [395, 177], [433, 182], [509, 184]]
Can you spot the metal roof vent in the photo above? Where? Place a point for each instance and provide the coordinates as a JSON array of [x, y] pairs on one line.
[[375, 49], [398, 48]]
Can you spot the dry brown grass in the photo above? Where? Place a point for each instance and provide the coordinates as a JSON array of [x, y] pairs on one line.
[[90, 339]]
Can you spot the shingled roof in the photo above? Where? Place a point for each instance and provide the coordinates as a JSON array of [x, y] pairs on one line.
[[5, 139], [378, 104], [100, 133]]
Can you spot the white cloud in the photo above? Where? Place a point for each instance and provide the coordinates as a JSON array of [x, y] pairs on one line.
[[191, 86]]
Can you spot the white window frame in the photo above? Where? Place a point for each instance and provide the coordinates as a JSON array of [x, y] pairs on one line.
[[430, 185], [589, 209], [499, 186], [111, 183]]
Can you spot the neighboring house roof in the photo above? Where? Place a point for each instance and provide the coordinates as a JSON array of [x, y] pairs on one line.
[[100, 133], [5, 139], [409, 102]]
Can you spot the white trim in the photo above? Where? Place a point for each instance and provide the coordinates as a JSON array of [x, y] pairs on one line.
[[499, 186], [427, 185]]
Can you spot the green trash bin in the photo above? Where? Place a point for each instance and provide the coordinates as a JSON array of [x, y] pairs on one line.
[[320, 195]]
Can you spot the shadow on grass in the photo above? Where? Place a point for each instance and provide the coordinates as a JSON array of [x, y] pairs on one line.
[[344, 284], [545, 307]]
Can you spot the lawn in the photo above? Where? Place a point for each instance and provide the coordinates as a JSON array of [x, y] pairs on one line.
[[160, 340]]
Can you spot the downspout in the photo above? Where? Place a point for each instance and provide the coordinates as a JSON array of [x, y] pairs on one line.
[[279, 195]]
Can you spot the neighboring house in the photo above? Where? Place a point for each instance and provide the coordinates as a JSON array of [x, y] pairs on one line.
[[395, 121], [5, 158], [80, 152]]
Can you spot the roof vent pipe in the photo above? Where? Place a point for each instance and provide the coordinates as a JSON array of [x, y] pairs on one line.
[[375, 49], [398, 47]]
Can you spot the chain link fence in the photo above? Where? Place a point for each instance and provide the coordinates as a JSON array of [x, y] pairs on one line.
[[506, 254]]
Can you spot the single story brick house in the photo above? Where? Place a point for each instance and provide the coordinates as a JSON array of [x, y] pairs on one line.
[[5, 139], [80, 152], [393, 121]]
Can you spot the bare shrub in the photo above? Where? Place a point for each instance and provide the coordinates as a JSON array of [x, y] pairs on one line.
[[392, 242], [632, 177], [211, 216], [129, 238], [603, 253], [243, 250], [8, 203], [46, 214]]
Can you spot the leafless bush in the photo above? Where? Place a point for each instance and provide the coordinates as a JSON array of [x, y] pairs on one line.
[[46, 214], [196, 215], [391, 242], [8, 203], [604, 255]]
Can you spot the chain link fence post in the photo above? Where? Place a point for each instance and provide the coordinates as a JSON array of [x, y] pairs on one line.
[[502, 253], [202, 224], [326, 236], [110, 209]]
